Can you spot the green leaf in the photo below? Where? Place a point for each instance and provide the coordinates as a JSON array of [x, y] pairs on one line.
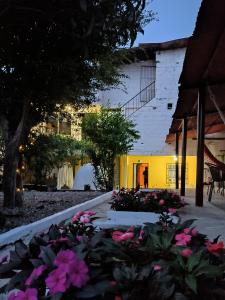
[[54, 233], [186, 224], [90, 291], [17, 280], [194, 260], [191, 282], [47, 255], [36, 262], [57, 296], [21, 249]]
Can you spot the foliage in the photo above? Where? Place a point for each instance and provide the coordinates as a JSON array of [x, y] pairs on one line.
[[160, 261], [107, 134], [158, 201], [53, 53], [46, 152], [2, 150]]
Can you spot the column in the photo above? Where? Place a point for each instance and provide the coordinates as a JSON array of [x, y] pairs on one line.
[[184, 151], [200, 147]]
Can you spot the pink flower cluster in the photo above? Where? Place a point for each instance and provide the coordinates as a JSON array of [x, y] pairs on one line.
[[185, 237], [119, 236], [172, 210], [70, 271], [83, 216]]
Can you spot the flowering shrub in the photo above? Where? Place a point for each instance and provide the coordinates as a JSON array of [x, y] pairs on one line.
[[159, 261], [158, 202]]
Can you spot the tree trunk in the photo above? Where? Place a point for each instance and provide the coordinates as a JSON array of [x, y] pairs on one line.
[[9, 174], [13, 195], [19, 183]]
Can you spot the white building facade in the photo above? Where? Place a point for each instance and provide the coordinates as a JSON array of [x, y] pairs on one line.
[[148, 96]]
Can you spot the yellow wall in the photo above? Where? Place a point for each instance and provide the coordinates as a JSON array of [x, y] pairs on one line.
[[158, 169]]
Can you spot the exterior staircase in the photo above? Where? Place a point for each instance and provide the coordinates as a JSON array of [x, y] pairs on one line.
[[139, 100]]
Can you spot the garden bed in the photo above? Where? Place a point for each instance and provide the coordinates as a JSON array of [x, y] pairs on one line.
[[162, 261], [158, 201], [38, 205]]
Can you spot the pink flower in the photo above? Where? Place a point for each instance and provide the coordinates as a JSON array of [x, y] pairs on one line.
[[186, 230], [194, 232], [77, 216], [57, 281], [141, 235], [172, 210], [215, 248], [157, 267], [29, 294], [79, 237], [85, 219], [78, 273], [35, 274], [119, 236], [182, 239], [90, 213], [186, 252], [161, 202], [64, 258]]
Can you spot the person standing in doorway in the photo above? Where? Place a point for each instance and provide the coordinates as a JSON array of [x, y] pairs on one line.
[[145, 174]]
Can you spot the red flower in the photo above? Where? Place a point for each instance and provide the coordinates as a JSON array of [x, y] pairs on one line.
[[215, 248]]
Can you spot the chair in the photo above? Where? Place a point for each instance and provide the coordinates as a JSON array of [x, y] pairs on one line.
[[216, 177]]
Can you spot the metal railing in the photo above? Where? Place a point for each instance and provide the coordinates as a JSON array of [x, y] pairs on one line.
[[139, 100]]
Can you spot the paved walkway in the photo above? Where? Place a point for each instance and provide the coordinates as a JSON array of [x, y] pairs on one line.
[[210, 217]]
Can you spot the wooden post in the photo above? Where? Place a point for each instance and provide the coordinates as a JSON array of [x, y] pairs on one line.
[[200, 147], [177, 160], [184, 151]]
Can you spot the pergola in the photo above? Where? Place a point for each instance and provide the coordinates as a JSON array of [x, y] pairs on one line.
[[201, 102]]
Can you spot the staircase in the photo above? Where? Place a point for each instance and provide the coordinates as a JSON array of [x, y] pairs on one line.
[[139, 100]]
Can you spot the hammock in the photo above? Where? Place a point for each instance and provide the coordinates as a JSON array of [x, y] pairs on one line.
[[209, 157]]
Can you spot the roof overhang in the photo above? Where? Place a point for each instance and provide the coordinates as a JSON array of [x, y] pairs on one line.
[[204, 66]]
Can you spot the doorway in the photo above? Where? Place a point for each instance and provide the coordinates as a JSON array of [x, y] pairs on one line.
[[138, 178]]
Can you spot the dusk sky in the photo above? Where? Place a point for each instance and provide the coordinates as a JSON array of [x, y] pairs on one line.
[[176, 20]]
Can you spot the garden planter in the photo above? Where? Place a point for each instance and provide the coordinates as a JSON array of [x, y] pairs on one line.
[[127, 218], [162, 261]]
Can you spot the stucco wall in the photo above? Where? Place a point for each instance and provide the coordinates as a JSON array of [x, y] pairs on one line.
[[129, 88], [154, 119]]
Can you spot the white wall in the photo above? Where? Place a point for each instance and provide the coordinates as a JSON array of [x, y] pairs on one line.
[[130, 87], [153, 124]]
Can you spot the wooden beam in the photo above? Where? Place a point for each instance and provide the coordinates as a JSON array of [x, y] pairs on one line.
[[184, 153], [200, 147]]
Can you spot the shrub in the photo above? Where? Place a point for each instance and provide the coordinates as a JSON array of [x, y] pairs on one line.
[[158, 201], [157, 262]]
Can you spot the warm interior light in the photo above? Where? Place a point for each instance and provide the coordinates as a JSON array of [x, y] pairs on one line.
[[175, 158]]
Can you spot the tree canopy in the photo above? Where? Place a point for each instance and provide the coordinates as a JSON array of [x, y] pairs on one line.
[[108, 134], [55, 52]]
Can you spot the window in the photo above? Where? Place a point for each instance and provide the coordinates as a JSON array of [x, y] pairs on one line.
[[148, 75], [169, 105]]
